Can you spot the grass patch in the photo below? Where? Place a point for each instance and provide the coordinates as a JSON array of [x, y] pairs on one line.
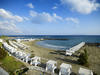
[[3, 37], [3, 53], [93, 57], [10, 64], [0, 44]]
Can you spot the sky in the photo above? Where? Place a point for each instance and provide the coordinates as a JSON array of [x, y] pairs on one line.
[[49, 17]]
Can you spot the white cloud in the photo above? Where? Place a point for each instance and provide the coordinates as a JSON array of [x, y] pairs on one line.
[[82, 6], [8, 22], [74, 20], [44, 17], [55, 7], [30, 5], [39, 18], [33, 13], [8, 15], [18, 18], [8, 28], [57, 17], [26, 18]]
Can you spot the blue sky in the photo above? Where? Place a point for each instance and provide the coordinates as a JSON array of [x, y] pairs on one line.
[[50, 17]]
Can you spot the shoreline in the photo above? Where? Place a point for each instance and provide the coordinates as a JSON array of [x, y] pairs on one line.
[[89, 44], [46, 47], [50, 54], [60, 57]]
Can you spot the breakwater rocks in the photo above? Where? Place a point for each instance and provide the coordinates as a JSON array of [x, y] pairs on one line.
[[93, 44], [54, 39]]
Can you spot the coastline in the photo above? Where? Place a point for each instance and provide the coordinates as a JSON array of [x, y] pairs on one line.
[[60, 56], [51, 54]]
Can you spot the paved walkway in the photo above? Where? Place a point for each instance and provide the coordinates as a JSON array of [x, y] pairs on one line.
[[3, 72]]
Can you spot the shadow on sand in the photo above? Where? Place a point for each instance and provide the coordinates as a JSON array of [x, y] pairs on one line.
[[63, 53], [67, 60], [58, 52], [42, 65]]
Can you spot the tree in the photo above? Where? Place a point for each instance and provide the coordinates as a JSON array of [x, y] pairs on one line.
[[83, 58]]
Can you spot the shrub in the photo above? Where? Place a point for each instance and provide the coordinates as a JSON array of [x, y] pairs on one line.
[[83, 58], [21, 72], [94, 73]]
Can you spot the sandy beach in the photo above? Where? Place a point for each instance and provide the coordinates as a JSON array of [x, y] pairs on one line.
[[60, 57], [50, 54]]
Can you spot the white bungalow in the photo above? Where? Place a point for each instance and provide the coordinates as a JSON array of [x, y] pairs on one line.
[[83, 71], [65, 69], [1, 40], [26, 59], [9, 48], [68, 52], [19, 54], [23, 56], [51, 66], [35, 60], [20, 45], [17, 44], [18, 40], [11, 43]]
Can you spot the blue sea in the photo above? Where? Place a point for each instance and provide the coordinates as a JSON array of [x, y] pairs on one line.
[[62, 44]]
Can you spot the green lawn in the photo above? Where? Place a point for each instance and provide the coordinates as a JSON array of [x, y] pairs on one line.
[[0, 44], [10, 64], [3, 37]]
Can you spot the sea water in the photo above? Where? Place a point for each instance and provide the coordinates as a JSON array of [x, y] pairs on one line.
[[62, 44], [66, 44]]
